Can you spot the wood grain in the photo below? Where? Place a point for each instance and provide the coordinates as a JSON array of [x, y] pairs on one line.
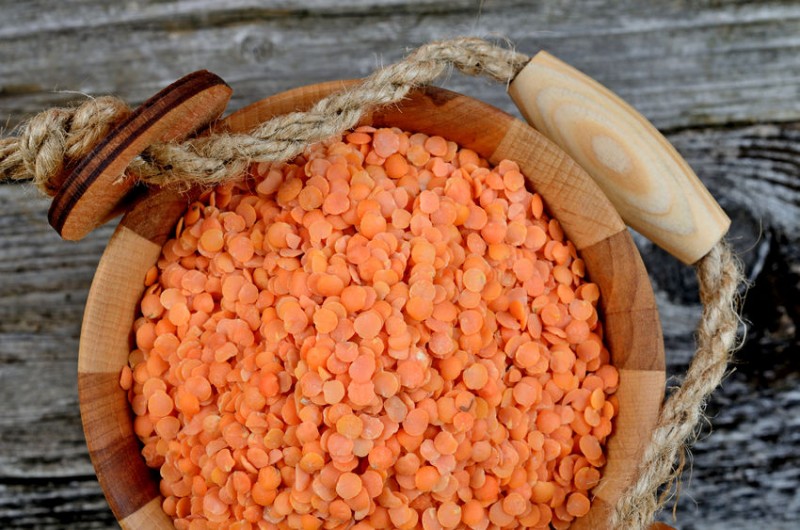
[[113, 446], [104, 348], [680, 63], [94, 191], [469, 122], [113, 301], [149, 516], [650, 185], [640, 391], [153, 215], [630, 314]]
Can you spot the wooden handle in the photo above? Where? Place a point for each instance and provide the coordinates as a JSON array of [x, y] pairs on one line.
[[650, 184]]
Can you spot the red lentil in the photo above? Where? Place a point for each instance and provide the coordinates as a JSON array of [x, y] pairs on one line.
[[388, 332]]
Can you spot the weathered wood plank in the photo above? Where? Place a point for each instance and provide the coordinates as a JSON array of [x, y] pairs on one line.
[[46, 478], [681, 63]]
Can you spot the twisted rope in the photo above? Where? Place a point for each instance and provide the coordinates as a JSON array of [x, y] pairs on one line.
[[58, 135], [57, 138], [719, 275]]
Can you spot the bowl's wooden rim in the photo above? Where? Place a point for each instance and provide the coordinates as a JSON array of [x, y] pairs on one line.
[[632, 328]]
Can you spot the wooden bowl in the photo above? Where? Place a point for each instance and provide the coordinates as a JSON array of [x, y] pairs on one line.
[[632, 329]]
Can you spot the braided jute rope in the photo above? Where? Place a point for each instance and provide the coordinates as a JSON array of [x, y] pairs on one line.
[[55, 135], [55, 138], [719, 276]]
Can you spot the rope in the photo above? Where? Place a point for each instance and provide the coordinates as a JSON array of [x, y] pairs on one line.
[[58, 135], [57, 138], [719, 275]]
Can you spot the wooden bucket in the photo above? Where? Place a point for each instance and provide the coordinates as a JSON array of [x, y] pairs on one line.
[[628, 308]]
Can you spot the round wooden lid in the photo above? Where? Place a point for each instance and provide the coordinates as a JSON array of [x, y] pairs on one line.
[[95, 190]]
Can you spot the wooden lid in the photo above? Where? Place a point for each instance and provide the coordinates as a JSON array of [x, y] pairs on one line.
[[95, 189]]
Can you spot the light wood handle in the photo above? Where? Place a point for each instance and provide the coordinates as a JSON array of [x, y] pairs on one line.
[[650, 184]]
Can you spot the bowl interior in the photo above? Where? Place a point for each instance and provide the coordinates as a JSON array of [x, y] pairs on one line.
[[630, 319]]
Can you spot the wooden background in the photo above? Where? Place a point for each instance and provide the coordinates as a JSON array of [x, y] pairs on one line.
[[720, 77]]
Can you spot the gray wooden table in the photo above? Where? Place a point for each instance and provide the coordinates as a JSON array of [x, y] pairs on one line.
[[720, 77]]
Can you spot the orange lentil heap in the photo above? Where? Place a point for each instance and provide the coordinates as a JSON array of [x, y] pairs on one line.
[[384, 333]]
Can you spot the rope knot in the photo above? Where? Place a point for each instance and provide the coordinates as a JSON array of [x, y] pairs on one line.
[[57, 138]]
